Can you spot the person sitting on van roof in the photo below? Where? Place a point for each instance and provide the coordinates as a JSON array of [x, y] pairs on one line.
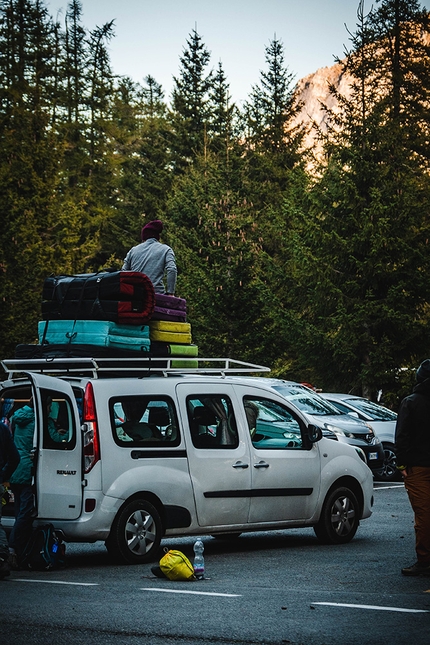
[[153, 259]]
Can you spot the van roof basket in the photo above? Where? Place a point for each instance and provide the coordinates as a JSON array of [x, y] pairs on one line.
[[126, 367]]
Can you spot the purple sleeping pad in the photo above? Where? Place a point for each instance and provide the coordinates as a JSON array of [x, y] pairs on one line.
[[174, 315], [170, 302]]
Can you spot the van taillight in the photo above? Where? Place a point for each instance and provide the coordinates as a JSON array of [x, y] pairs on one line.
[[91, 431]]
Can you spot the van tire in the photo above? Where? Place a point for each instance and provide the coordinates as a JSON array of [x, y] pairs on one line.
[[136, 533], [340, 517]]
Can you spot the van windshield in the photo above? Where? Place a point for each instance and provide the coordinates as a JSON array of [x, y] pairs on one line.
[[307, 401]]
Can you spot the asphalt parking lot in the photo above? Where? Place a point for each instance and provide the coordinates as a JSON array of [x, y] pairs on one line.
[[271, 587]]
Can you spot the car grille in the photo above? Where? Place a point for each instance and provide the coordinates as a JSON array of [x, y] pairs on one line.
[[368, 438]]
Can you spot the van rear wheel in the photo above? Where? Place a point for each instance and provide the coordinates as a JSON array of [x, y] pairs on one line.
[[136, 533]]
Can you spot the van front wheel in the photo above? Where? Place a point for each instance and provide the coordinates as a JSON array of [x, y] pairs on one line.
[[136, 533], [339, 517]]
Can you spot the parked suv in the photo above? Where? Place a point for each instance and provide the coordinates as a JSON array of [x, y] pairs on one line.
[[147, 451]]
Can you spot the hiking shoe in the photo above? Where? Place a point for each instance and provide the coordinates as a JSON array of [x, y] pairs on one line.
[[417, 569], [4, 568]]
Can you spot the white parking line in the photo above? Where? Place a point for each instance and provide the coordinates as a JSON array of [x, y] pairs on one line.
[[342, 604], [56, 582], [195, 593], [388, 487]]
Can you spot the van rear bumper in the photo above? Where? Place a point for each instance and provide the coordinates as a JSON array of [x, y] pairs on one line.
[[89, 526]]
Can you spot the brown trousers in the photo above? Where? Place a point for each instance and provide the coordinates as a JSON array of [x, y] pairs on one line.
[[417, 483]]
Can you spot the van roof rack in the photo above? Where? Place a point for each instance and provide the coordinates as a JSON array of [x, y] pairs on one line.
[[126, 367]]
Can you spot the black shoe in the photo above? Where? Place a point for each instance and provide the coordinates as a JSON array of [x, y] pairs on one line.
[[417, 569]]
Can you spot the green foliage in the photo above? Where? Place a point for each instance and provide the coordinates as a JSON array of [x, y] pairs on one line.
[[272, 144], [215, 236], [190, 103], [360, 244]]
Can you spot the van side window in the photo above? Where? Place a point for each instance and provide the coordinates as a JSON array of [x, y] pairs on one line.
[[59, 431], [144, 420], [272, 426], [212, 422]]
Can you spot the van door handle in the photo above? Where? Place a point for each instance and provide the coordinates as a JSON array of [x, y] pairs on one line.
[[240, 464], [261, 464]]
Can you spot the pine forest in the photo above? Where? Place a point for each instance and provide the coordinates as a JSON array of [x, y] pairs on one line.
[[315, 264]]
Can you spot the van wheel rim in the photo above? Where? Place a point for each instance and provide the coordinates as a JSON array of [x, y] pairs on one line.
[[390, 461], [343, 516], [140, 532]]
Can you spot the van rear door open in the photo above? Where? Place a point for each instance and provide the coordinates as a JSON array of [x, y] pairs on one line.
[[58, 460]]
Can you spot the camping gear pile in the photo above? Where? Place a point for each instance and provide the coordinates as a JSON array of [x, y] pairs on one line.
[[110, 314]]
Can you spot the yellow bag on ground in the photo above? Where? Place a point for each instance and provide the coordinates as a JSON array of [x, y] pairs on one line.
[[176, 566]]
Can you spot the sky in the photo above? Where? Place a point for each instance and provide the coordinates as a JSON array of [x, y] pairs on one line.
[[150, 35]]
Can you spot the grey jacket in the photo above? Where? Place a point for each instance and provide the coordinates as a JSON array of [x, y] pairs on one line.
[[154, 260]]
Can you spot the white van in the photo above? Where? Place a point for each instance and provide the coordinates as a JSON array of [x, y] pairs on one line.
[[148, 451]]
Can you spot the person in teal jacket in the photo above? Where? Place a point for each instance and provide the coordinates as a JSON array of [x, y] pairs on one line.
[[23, 424]]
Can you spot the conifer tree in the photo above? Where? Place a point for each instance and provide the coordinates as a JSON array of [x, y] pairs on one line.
[[222, 128], [272, 143], [359, 246], [73, 69], [29, 159], [190, 109], [145, 178], [213, 232]]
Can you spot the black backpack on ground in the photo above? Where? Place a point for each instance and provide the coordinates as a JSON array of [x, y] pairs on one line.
[[45, 550]]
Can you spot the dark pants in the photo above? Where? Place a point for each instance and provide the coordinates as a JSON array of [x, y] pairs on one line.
[[24, 515], [4, 548]]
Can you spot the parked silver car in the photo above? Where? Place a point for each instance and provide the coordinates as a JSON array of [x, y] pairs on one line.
[[334, 423], [383, 422]]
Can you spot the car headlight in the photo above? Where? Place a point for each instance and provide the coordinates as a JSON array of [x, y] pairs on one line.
[[339, 431], [361, 454]]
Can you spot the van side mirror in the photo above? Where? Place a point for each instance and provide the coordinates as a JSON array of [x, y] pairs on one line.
[[314, 433]]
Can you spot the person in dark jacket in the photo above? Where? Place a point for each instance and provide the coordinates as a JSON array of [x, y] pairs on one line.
[[413, 459], [9, 460], [23, 425]]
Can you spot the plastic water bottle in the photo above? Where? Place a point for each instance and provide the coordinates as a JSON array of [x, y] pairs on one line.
[[199, 561]]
